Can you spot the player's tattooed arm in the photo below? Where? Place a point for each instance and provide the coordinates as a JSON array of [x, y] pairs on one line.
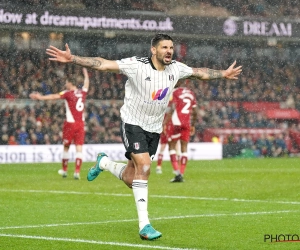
[[97, 63], [207, 74], [90, 62], [231, 73], [66, 56]]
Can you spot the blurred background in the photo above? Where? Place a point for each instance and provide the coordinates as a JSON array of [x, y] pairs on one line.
[[255, 116]]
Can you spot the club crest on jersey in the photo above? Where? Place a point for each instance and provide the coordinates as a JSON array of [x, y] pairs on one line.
[[136, 145], [171, 77]]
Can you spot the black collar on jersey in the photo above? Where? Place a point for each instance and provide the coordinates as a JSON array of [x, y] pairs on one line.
[[151, 63]]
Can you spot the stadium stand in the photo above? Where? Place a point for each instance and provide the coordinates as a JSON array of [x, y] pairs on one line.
[[223, 104], [218, 8], [268, 83]]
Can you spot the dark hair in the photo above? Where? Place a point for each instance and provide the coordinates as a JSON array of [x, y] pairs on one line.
[[160, 37]]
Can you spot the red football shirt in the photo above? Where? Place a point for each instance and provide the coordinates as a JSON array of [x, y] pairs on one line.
[[183, 101], [75, 102]]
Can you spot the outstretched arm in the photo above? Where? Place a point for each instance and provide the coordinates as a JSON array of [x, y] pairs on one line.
[[210, 74], [38, 96], [66, 56], [86, 82]]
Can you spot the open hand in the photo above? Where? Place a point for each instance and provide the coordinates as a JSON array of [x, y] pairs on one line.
[[35, 95], [59, 55], [232, 72]]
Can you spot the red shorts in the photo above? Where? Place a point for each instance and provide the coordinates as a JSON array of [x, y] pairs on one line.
[[181, 133], [163, 138], [73, 132]]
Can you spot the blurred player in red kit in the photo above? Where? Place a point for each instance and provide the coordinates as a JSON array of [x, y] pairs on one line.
[[183, 115], [164, 143], [73, 129]]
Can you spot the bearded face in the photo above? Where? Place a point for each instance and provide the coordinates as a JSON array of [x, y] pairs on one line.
[[163, 52]]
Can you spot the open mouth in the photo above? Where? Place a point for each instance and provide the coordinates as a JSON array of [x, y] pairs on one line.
[[168, 58]]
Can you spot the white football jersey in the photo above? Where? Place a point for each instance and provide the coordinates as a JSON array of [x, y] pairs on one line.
[[148, 91]]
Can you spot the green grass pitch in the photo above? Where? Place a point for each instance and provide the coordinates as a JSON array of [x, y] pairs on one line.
[[228, 204]]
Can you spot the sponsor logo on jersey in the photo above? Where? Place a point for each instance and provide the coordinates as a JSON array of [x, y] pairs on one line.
[[159, 94]]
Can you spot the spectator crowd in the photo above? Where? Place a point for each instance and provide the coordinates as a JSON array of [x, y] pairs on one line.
[[269, 75], [41, 123], [262, 79]]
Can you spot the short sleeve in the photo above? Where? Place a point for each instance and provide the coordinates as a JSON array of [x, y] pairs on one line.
[[184, 70], [62, 94], [128, 66]]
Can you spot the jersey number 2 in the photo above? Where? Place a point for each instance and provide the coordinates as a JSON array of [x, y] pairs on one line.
[[186, 108]]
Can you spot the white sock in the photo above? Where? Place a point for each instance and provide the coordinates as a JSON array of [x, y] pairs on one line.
[[65, 155], [116, 168], [140, 193], [176, 172]]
